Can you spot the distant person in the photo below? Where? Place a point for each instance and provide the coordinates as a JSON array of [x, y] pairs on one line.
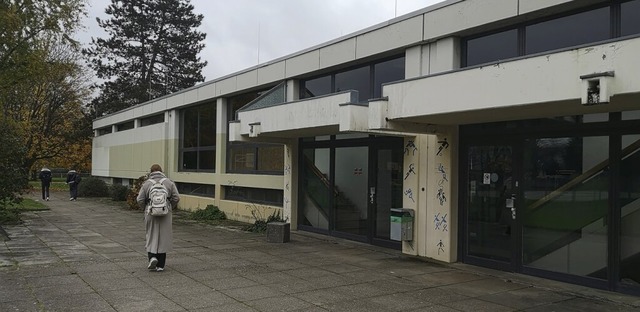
[[158, 231], [73, 180], [45, 181]]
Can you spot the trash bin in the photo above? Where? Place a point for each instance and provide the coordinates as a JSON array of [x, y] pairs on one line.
[[401, 224]]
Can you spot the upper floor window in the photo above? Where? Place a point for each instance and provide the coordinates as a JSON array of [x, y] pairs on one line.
[[567, 31], [575, 29], [198, 138], [125, 126], [630, 18], [105, 130], [367, 80], [155, 119]]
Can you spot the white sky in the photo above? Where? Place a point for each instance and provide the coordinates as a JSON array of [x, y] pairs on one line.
[[244, 33]]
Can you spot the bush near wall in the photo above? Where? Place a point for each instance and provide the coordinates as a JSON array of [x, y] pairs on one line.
[[93, 187]]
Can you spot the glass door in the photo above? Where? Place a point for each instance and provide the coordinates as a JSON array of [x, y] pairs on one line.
[[351, 190], [491, 206]]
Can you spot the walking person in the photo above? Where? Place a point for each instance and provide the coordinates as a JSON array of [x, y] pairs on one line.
[[158, 229], [73, 180], [45, 182]]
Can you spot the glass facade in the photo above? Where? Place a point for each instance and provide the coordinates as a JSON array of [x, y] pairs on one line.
[[566, 194], [243, 157], [367, 80], [483, 49], [198, 138], [630, 18], [574, 29], [572, 213]]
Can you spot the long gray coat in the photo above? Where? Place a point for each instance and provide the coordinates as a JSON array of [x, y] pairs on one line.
[[159, 234]]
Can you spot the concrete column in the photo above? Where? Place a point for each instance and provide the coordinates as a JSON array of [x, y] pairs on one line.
[[291, 169], [293, 90], [222, 123], [441, 242], [444, 55], [417, 61]]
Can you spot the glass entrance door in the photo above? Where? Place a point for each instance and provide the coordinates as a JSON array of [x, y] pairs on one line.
[[492, 205]]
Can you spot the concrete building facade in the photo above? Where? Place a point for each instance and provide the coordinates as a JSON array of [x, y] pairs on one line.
[[500, 133]]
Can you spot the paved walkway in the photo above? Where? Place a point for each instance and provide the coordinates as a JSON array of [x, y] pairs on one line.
[[89, 255]]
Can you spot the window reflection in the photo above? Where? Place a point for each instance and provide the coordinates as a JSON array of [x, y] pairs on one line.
[[630, 210], [630, 18], [484, 49], [566, 187]]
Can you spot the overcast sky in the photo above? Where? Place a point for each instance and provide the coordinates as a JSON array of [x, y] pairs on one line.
[[244, 33]]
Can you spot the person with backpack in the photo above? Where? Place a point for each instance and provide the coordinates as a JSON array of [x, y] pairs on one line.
[[45, 181], [157, 197], [73, 180]]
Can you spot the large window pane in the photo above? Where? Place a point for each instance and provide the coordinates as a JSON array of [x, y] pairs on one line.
[[392, 70], [207, 129], [581, 28], [566, 193], [315, 188], [316, 87], [630, 17], [494, 47], [630, 210], [356, 79], [190, 127], [271, 158]]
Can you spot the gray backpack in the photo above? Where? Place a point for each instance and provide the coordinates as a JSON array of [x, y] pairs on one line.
[[158, 199]]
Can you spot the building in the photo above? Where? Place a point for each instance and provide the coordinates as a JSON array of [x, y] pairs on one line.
[[510, 129]]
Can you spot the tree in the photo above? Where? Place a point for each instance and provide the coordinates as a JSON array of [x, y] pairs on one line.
[[42, 86], [151, 50]]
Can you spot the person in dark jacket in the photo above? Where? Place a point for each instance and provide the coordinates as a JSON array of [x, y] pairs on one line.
[[45, 179], [73, 180]]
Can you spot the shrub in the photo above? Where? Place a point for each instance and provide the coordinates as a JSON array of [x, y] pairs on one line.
[[119, 192], [132, 194], [211, 212], [260, 225], [93, 187]]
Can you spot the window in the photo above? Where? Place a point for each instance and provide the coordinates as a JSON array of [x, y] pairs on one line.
[[498, 46], [356, 79], [392, 70], [105, 130], [254, 195], [252, 157], [316, 87], [198, 140], [206, 190], [125, 126], [367, 80], [551, 34], [581, 28], [155, 119], [630, 18]]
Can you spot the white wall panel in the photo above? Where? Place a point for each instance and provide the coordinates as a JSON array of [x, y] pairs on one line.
[[338, 53], [247, 79], [207, 91], [271, 73], [467, 14], [303, 63], [394, 36], [227, 85]]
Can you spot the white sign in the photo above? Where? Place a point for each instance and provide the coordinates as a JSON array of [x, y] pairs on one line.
[[487, 178]]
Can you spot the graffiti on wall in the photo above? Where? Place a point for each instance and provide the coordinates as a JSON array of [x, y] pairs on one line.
[[440, 222], [409, 193], [410, 148], [412, 170]]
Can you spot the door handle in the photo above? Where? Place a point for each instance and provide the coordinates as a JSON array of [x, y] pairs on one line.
[[511, 205], [372, 194]]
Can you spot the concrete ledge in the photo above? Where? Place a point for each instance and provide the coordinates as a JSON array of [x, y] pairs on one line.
[[278, 232]]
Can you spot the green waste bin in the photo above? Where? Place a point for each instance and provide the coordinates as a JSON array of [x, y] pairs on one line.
[[401, 224]]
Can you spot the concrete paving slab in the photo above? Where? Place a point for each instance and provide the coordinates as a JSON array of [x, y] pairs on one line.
[[62, 260]]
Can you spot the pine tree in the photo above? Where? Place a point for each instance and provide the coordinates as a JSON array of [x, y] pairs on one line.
[[151, 50]]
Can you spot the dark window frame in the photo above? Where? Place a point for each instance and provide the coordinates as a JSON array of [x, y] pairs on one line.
[[152, 120], [614, 30], [198, 148], [194, 189], [332, 75], [249, 195], [124, 126]]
